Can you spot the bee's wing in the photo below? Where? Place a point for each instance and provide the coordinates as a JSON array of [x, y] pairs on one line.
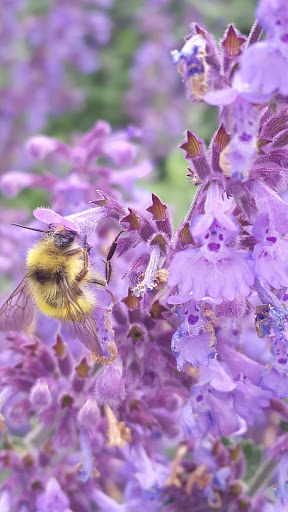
[[84, 329], [18, 311]]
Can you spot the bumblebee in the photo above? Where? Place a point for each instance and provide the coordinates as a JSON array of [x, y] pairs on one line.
[[58, 281]]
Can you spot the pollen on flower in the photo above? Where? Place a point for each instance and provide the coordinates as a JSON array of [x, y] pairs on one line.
[[177, 470], [208, 327], [158, 282], [199, 476], [118, 434], [112, 349], [224, 162], [161, 278]]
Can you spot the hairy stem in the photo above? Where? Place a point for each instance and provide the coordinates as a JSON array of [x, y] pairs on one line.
[[255, 34]]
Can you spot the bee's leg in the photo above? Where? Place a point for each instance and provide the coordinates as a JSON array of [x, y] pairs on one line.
[[73, 251], [85, 268], [108, 266], [114, 246], [108, 270], [81, 274], [86, 250], [99, 281]]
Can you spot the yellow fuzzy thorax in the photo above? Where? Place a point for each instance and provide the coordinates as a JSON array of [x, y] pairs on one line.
[[46, 255], [78, 302]]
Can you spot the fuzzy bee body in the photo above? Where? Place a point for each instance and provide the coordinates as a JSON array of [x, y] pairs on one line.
[[58, 281], [50, 270]]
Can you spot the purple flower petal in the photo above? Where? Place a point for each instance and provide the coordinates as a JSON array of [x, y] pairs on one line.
[[227, 276], [195, 350], [221, 97], [87, 221], [269, 201], [271, 262], [49, 217], [218, 378], [261, 65], [226, 421], [275, 382], [273, 16], [250, 400], [53, 498], [41, 146]]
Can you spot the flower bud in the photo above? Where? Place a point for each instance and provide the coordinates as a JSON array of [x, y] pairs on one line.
[[89, 414], [40, 395], [41, 146], [17, 414], [110, 387]]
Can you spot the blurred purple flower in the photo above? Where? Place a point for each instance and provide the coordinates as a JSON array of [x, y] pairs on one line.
[[53, 498]]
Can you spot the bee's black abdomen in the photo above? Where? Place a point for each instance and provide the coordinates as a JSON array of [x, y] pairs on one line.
[[41, 275], [44, 276]]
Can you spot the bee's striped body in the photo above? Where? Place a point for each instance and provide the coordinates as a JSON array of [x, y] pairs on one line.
[[50, 270], [58, 280]]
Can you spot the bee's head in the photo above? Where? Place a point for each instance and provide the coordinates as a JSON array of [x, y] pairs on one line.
[[63, 238]]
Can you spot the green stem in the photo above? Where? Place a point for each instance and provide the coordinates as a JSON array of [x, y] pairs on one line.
[[261, 477]]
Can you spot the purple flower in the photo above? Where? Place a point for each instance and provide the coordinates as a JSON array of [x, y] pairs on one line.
[[72, 34], [53, 498], [273, 16], [192, 342], [211, 405], [40, 395], [110, 387], [262, 67], [240, 118], [270, 253], [262, 64], [213, 269]]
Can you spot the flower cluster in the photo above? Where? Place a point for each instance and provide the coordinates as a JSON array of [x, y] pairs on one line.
[[39, 47], [193, 328]]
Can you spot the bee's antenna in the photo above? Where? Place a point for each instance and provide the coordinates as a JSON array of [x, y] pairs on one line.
[[26, 227]]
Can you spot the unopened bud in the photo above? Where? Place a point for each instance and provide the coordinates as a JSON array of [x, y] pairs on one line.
[[40, 395], [89, 414]]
